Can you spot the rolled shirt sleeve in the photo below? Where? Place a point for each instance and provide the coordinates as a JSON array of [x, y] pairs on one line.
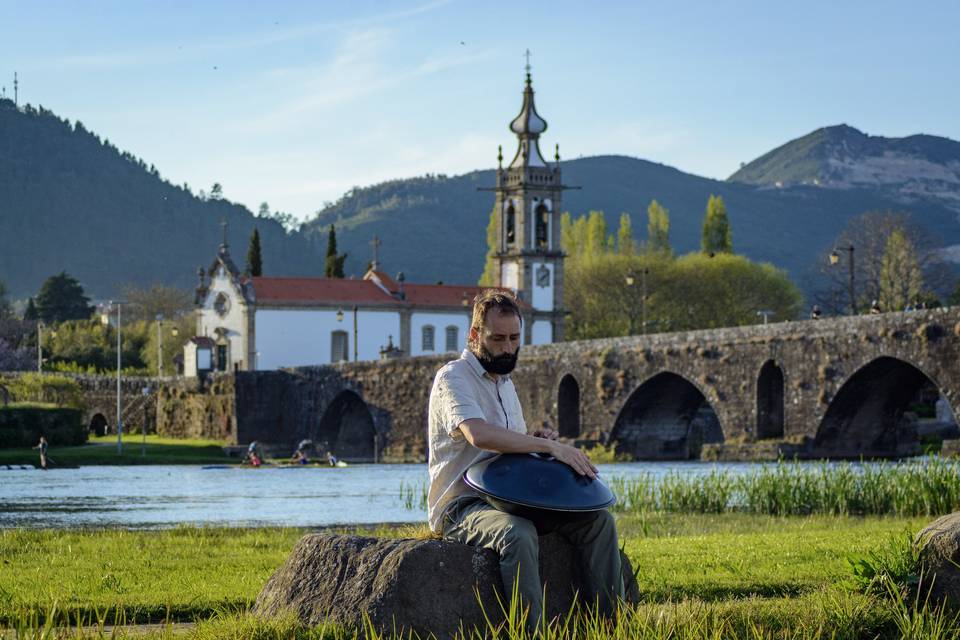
[[457, 402]]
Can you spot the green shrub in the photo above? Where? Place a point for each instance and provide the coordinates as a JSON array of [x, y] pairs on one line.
[[38, 387], [22, 427]]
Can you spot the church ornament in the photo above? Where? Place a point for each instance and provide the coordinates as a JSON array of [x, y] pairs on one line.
[[222, 304]]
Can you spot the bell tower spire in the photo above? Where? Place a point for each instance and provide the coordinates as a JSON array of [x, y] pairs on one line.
[[529, 259]]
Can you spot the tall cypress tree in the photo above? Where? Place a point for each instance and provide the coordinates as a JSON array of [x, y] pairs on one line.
[[333, 266], [254, 257], [716, 236], [658, 228]]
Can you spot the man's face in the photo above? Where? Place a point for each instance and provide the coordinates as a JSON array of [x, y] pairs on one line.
[[499, 342]]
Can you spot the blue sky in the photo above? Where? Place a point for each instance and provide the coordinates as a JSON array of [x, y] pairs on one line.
[[294, 103]]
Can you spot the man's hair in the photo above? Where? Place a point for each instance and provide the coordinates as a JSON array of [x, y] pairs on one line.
[[501, 300]]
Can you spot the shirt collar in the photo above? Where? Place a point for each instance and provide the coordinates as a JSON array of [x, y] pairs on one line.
[[477, 367]]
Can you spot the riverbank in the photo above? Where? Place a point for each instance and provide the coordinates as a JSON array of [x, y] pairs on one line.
[[103, 451], [783, 576]]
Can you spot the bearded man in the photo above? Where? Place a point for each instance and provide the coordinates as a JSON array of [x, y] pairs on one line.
[[475, 414]]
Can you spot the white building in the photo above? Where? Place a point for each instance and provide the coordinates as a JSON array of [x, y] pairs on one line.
[[257, 323]]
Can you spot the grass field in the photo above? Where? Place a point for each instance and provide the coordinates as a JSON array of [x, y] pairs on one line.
[[779, 576], [99, 451]]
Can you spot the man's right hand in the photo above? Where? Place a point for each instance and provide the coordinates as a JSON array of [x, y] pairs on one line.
[[573, 457]]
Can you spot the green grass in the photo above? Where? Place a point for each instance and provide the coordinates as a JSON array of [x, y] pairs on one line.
[[103, 451], [783, 573]]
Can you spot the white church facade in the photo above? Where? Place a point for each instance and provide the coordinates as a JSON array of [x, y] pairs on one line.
[[260, 323]]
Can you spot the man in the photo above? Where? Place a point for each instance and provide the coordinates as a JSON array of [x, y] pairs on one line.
[[474, 414]]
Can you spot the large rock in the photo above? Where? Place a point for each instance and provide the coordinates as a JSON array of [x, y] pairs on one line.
[[425, 586], [939, 544]]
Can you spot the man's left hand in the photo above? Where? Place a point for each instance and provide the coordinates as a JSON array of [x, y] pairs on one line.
[[547, 434]]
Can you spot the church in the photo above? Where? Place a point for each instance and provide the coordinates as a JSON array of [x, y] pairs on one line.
[[261, 323]]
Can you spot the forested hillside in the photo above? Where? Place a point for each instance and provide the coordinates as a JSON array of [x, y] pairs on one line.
[[71, 201]]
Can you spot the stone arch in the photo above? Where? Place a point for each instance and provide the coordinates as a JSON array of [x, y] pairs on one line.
[[866, 417], [568, 407], [99, 424], [770, 405], [666, 418], [347, 429]]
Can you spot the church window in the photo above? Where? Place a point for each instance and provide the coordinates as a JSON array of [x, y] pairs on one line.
[[511, 224], [542, 215], [222, 304], [427, 335], [452, 338], [338, 347]]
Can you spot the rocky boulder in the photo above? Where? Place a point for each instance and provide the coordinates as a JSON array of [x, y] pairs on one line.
[[424, 586], [939, 544]]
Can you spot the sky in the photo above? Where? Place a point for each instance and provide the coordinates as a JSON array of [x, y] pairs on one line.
[[295, 103]]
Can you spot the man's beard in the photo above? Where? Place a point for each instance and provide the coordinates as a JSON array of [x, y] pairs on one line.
[[499, 365]]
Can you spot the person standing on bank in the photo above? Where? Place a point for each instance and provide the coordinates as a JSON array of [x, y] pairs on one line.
[[475, 414]]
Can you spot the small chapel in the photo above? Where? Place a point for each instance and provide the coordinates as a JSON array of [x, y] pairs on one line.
[[261, 323]]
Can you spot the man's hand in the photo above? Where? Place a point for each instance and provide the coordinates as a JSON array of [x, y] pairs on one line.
[[547, 434], [574, 458]]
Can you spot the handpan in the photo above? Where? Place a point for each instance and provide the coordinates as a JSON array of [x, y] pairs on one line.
[[539, 488]]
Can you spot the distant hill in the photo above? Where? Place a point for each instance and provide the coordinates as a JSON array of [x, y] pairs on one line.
[[434, 227], [71, 201], [841, 157]]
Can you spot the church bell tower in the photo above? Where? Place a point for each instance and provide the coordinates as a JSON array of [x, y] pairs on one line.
[[529, 259]]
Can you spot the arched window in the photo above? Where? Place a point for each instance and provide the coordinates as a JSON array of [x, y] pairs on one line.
[[542, 216], [453, 334], [338, 347], [511, 224], [427, 343]]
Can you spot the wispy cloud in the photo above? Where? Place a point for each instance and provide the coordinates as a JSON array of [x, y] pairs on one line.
[[189, 50]]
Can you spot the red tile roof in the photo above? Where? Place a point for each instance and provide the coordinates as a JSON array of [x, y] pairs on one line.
[[385, 280], [316, 291]]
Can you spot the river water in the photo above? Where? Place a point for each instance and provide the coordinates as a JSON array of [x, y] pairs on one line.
[[167, 496]]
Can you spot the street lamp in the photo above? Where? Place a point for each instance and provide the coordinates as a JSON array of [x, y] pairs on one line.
[[40, 326], [118, 304], [159, 348], [766, 313], [834, 261]]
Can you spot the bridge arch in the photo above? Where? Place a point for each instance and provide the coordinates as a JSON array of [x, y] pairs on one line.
[[770, 405], [667, 417], [568, 407], [865, 418], [347, 429], [99, 425]]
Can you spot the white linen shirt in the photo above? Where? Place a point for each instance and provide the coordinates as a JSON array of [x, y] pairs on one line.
[[463, 390]]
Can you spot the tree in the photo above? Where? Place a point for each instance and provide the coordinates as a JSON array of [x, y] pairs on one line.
[[61, 298], [254, 259], [625, 243], [658, 228], [955, 296], [900, 279], [5, 309], [596, 239], [216, 191], [333, 267], [30, 313], [868, 234], [716, 236], [264, 211], [146, 304], [489, 276], [16, 359]]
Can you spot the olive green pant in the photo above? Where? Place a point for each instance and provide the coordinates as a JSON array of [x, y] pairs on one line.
[[515, 539]]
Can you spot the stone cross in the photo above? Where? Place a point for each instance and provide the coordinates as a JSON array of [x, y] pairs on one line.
[[375, 243]]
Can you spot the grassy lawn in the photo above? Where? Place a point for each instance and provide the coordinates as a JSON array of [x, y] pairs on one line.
[[785, 575], [103, 450]]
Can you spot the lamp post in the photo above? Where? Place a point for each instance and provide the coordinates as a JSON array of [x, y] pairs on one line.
[[159, 347], [40, 346], [119, 365], [143, 431], [355, 338], [834, 261]]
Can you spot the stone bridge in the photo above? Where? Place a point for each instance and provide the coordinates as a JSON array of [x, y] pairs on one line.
[[841, 387], [99, 395]]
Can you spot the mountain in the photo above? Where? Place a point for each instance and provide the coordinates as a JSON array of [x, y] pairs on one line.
[[435, 227], [841, 157], [71, 201]]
